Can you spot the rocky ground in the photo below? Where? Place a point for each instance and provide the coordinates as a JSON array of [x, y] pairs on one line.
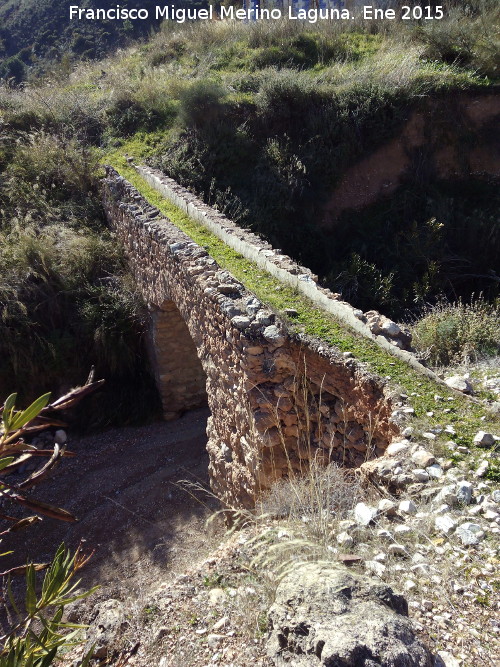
[[423, 520]]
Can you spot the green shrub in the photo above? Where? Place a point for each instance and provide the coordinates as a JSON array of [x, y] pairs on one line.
[[451, 333], [201, 104], [65, 305], [127, 116], [51, 177]]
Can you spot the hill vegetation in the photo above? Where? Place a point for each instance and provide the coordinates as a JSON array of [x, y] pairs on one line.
[[36, 36], [261, 120]]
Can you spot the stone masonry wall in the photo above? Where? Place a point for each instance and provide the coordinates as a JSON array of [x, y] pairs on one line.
[[276, 401], [378, 328]]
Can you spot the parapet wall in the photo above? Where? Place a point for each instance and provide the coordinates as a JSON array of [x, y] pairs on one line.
[[385, 333], [277, 401]]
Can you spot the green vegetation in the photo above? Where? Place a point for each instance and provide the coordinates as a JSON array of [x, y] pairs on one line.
[[39, 630], [66, 303], [32, 619], [38, 35], [456, 333]]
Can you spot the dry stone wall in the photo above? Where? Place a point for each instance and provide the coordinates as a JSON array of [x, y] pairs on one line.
[[383, 331], [277, 400]]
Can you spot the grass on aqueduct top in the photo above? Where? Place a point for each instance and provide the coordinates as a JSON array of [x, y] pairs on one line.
[[464, 415]]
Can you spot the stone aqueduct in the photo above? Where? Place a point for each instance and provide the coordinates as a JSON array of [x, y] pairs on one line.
[[277, 400]]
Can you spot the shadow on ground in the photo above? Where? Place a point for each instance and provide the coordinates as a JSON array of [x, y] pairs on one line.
[[122, 487]]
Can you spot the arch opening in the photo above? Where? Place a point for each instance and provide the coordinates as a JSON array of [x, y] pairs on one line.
[[179, 375]]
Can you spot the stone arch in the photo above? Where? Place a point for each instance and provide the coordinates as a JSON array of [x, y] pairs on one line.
[[179, 374], [214, 340]]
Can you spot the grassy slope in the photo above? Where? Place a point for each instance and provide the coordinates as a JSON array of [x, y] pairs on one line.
[[465, 415]]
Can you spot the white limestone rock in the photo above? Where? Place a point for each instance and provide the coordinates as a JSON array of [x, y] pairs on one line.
[[364, 514], [435, 471], [464, 491], [407, 507], [460, 383], [445, 524], [420, 475], [274, 336], [470, 533], [423, 458], [345, 540], [483, 439], [397, 447]]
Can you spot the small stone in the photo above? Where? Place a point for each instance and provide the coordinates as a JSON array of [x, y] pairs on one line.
[[390, 328], [464, 492], [435, 471], [427, 605], [364, 514], [445, 524], [375, 567], [496, 496], [423, 458], [397, 550], [460, 383], [214, 640], [442, 509], [483, 439], [221, 623], [420, 475], [216, 596], [291, 312], [429, 436], [447, 495], [274, 336], [470, 533], [240, 322], [407, 507], [482, 469], [264, 318], [387, 507], [409, 585], [446, 659], [345, 539], [397, 447], [228, 288], [402, 530]]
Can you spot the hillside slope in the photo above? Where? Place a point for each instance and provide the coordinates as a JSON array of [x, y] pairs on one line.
[[37, 33]]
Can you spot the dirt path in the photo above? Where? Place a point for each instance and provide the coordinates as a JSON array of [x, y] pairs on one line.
[[121, 486]]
